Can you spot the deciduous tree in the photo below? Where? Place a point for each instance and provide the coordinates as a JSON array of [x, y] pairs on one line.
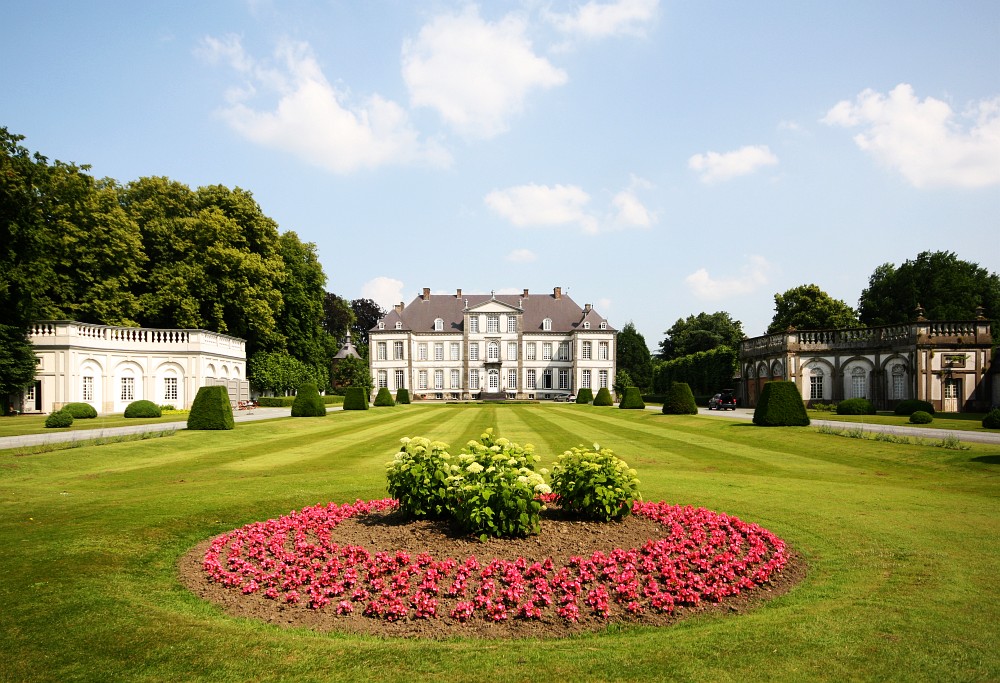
[[632, 356], [702, 332], [807, 307]]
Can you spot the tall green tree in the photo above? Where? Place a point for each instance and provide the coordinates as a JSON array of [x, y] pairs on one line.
[[807, 307], [632, 356], [702, 332], [338, 318], [947, 288], [366, 315]]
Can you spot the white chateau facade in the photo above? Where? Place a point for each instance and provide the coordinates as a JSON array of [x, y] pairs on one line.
[[455, 346], [109, 367]]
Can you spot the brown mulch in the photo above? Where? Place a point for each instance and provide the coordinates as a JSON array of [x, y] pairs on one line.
[[559, 540]]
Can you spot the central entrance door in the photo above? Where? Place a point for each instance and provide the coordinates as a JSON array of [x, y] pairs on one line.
[[952, 396]]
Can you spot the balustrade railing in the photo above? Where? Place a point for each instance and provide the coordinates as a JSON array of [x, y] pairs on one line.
[[969, 332], [43, 331]]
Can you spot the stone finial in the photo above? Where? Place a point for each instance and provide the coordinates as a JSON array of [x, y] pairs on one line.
[[980, 312], [919, 310]]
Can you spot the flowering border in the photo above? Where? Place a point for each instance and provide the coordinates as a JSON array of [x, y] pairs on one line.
[[705, 556]]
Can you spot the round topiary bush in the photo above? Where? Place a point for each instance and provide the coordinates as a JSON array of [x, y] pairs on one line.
[[80, 411], [403, 396], [211, 409], [632, 400], [856, 406], [912, 405], [142, 408], [780, 405], [58, 419], [308, 402], [585, 396], [603, 397], [992, 419], [921, 417], [679, 400], [383, 399], [355, 398]]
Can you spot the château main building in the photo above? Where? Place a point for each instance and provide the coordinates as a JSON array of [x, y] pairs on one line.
[[467, 346]]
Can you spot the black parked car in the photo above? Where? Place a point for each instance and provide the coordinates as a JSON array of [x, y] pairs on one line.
[[722, 401]]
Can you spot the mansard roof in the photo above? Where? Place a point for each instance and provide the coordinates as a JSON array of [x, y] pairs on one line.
[[565, 314]]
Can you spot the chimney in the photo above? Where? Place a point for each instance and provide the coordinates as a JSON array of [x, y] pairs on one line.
[[525, 295], [399, 307], [427, 293], [458, 294], [586, 307], [557, 292]]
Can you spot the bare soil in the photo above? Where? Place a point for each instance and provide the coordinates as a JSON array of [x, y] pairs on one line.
[[559, 540]]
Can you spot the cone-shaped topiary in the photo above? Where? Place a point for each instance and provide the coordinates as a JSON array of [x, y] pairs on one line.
[[59, 419], [912, 405], [403, 396], [603, 397], [679, 400], [780, 405], [632, 400], [308, 402], [211, 409], [585, 395], [142, 408], [383, 399], [856, 406], [355, 398], [80, 411], [992, 419]]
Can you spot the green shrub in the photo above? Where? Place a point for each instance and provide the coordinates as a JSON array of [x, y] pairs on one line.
[[275, 401], [142, 408], [992, 419], [679, 400], [211, 409], [603, 397], [403, 396], [59, 419], [594, 484], [912, 405], [418, 477], [80, 411], [384, 399], [585, 396], [308, 402], [632, 400], [856, 406], [167, 407], [780, 405], [921, 417], [356, 398]]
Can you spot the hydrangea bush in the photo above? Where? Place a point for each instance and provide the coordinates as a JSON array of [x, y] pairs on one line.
[[418, 477], [595, 484]]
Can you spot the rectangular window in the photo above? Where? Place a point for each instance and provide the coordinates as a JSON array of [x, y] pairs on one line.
[[816, 387], [564, 379], [397, 350], [128, 388], [456, 351], [456, 379], [546, 379], [29, 395], [474, 379], [422, 379], [604, 379], [898, 386], [563, 350], [88, 389], [383, 379], [585, 380], [547, 352], [400, 376], [473, 350], [421, 351], [512, 379], [439, 351], [381, 354], [474, 324], [530, 380], [511, 323], [586, 350], [529, 351], [511, 350], [439, 379], [603, 350], [492, 323], [169, 388], [859, 386]]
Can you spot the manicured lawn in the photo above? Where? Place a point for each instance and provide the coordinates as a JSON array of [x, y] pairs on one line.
[[902, 541], [35, 424], [972, 422]]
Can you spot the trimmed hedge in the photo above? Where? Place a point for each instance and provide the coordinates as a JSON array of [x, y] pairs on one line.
[[679, 400], [288, 401], [632, 400], [585, 395], [142, 408], [211, 409], [912, 405], [308, 402], [384, 399], [780, 405], [856, 406], [403, 396], [992, 419], [59, 419], [80, 411], [603, 397], [921, 417], [356, 398]]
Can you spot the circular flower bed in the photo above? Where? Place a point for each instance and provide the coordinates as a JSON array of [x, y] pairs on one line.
[[692, 557]]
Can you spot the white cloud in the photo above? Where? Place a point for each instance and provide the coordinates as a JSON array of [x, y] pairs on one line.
[[311, 119], [604, 304], [924, 141], [596, 20], [713, 166], [751, 277], [543, 206], [522, 256], [385, 291], [475, 74], [630, 212]]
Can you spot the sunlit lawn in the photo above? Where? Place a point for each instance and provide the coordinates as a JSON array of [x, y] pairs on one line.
[[972, 422], [35, 424], [901, 541]]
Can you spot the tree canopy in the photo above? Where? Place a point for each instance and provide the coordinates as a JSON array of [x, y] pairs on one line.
[[702, 332], [807, 307], [366, 315], [632, 356]]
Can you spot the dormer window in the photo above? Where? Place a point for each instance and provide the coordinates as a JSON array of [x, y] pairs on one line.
[[547, 325], [586, 325], [399, 325], [381, 324], [438, 325], [604, 325]]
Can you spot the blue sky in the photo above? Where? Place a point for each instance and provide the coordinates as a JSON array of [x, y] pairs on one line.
[[655, 159]]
